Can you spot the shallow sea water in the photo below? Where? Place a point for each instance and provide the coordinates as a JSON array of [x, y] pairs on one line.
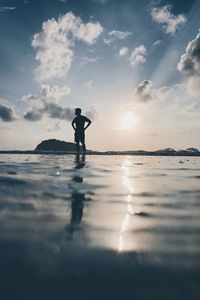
[[111, 227]]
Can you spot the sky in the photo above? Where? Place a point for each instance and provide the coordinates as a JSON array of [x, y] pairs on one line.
[[132, 66]]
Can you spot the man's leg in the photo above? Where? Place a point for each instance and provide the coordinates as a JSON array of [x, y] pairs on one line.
[[83, 143], [84, 148], [77, 148]]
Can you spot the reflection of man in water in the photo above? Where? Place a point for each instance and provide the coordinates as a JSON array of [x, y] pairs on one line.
[[79, 126], [77, 204]]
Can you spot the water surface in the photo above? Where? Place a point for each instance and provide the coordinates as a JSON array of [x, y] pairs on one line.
[[111, 227]]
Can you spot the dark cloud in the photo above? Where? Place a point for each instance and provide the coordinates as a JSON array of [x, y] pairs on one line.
[[33, 115], [189, 64], [146, 92], [7, 114], [52, 110], [56, 111], [46, 103], [143, 90]]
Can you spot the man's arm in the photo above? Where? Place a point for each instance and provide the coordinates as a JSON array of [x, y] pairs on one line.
[[73, 124], [88, 123]]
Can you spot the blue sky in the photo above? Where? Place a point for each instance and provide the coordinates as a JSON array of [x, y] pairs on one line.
[[133, 67]]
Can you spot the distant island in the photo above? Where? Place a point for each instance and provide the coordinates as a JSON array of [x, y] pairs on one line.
[[54, 146]]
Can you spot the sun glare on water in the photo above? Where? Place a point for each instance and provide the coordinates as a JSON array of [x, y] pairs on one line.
[[128, 121]]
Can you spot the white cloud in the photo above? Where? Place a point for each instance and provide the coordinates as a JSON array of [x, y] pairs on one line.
[[121, 35], [189, 64], [55, 42], [157, 43], [88, 84], [7, 8], [48, 94], [116, 34], [123, 51], [138, 55], [146, 92], [193, 108], [86, 60], [170, 22]]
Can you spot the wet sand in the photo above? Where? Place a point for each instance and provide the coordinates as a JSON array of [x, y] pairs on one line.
[[111, 227]]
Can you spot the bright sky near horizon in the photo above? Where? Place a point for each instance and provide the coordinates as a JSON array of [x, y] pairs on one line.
[[132, 66]]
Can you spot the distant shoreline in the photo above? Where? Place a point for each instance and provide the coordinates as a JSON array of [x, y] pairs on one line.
[[57, 147], [134, 153]]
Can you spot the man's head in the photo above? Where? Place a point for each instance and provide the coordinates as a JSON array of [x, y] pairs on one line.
[[77, 111]]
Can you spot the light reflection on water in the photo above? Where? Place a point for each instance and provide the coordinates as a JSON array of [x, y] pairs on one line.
[[130, 190]]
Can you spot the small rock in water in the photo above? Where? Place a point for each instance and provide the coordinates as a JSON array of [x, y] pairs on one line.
[[141, 214], [91, 193], [77, 179], [12, 173], [181, 162]]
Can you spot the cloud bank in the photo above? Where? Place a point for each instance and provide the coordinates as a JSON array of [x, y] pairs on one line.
[[189, 64], [46, 103]]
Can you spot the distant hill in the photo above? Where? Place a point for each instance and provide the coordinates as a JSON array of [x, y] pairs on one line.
[[56, 145]]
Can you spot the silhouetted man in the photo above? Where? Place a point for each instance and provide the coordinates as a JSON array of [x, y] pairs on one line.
[[78, 124]]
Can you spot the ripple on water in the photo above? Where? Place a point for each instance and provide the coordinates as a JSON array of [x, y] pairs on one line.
[[152, 194], [19, 206], [12, 181], [12, 173]]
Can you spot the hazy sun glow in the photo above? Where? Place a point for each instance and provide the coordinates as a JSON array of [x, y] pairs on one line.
[[129, 120]]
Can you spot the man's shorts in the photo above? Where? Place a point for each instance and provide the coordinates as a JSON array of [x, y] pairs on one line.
[[79, 137]]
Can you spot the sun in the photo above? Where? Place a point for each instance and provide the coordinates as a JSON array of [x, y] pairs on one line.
[[129, 120]]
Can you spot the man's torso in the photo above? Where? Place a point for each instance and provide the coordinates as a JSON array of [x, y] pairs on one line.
[[80, 123]]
